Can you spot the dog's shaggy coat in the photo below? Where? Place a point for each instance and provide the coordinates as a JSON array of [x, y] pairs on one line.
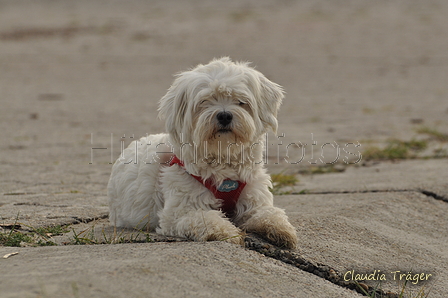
[[216, 117]]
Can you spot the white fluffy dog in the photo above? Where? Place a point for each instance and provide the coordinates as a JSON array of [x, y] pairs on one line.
[[204, 179]]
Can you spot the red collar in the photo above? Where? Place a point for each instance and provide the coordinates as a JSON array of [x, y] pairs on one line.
[[228, 192]]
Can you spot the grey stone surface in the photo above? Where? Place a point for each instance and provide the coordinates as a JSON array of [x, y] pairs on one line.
[[418, 175], [155, 270], [36, 210], [385, 231], [77, 75]]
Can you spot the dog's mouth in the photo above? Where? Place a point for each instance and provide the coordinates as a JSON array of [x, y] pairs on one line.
[[221, 132], [224, 130]]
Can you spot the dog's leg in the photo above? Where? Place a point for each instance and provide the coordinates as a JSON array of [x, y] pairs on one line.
[[272, 223], [199, 225]]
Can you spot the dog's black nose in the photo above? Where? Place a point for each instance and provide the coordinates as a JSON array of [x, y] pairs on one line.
[[224, 118]]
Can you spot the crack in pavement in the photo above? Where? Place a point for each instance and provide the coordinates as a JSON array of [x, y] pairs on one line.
[[351, 191], [258, 244], [79, 220], [40, 205], [422, 191], [433, 195], [255, 243]]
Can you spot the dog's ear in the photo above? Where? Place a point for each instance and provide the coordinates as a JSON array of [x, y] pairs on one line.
[[271, 95], [173, 107]]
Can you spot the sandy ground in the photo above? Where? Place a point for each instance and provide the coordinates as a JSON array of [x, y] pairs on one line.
[[77, 75]]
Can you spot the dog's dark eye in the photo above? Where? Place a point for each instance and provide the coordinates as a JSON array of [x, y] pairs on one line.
[[240, 103]]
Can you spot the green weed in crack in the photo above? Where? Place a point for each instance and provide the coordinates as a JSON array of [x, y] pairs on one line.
[[395, 149], [372, 292], [280, 181], [433, 134], [18, 238], [404, 291], [89, 236]]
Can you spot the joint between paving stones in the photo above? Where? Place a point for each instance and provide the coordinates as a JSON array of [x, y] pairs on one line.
[[254, 243], [433, 195], [352, 191], [422, 191], [79, 220]]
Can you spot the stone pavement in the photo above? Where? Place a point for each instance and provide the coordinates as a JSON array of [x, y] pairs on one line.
[[159, 270], [77, 75]]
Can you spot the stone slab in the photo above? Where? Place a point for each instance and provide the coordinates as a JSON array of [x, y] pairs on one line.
[[155, 270], [417, 175], [386, 231], [40, 210]]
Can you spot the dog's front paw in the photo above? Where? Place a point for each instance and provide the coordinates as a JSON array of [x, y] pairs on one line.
[[221, 229], [272, 223], [235, 237], [283, 236], [202, 226]]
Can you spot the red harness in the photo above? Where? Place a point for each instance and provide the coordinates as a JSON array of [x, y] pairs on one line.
[[228, 192]]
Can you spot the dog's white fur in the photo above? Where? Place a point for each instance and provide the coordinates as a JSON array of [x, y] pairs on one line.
[[144, 189]]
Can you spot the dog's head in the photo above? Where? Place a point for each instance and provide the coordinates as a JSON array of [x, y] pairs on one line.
[[224, 101]]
